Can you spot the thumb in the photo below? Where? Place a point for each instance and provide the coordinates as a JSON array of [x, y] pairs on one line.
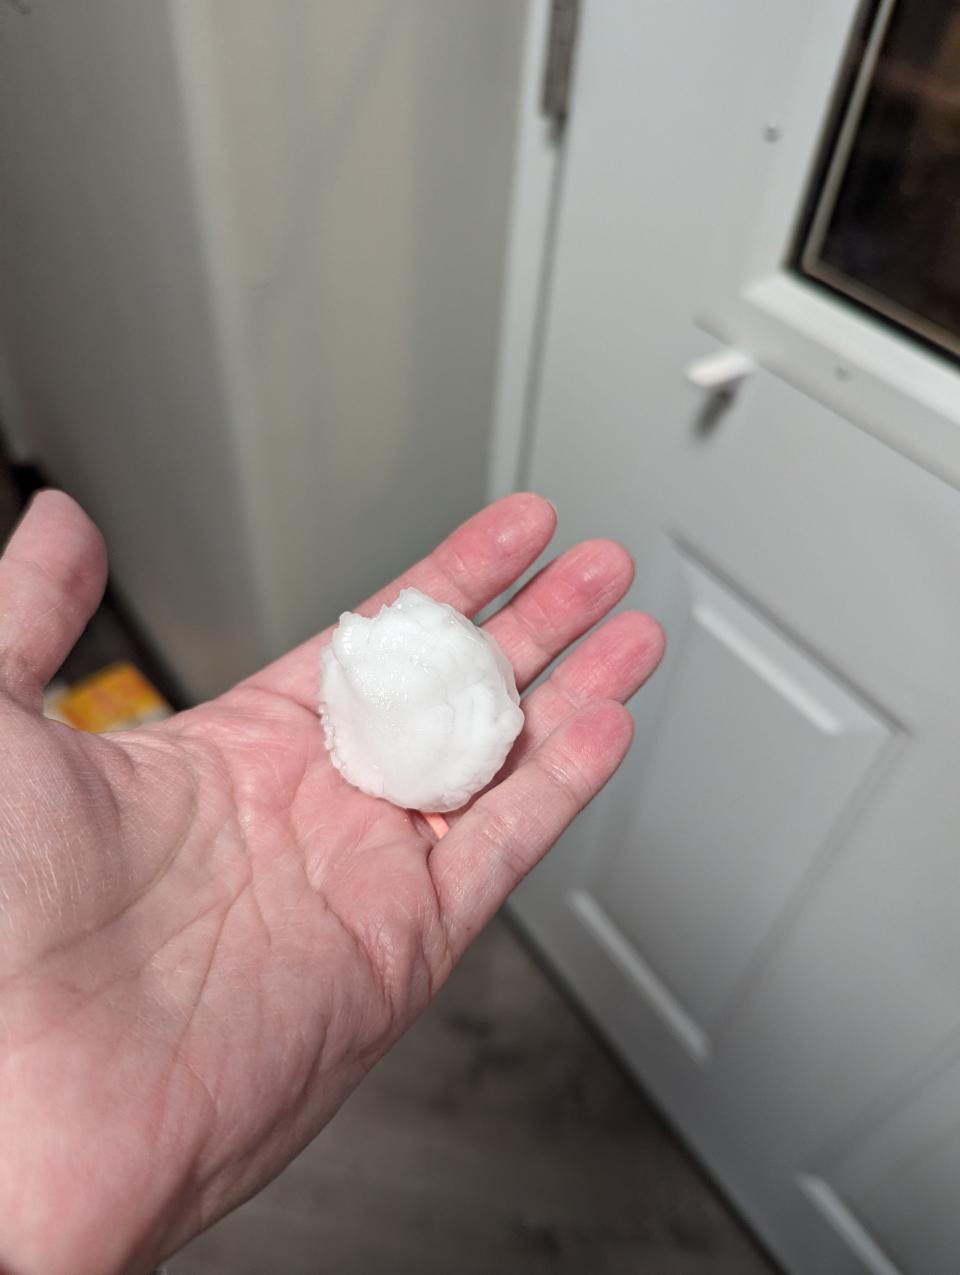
[[52, 576]]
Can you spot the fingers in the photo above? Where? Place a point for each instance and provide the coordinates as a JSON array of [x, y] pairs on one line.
[[496, 843], [612, 663], [479, 560], [52, 576], [559, 604]]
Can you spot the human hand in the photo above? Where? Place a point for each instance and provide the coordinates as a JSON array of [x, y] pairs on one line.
[[206, 936]]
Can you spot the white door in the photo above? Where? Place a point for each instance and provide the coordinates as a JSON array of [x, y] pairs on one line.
[[763, 913]]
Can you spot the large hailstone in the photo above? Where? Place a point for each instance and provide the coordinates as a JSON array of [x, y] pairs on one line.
[[418, 705]]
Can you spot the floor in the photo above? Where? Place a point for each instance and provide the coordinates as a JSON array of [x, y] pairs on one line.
[[498, 1138]]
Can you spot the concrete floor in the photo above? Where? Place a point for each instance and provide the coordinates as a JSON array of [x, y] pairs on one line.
[[497, 1138]]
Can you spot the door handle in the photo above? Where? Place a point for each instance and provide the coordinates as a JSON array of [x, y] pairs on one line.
[[719, 373]]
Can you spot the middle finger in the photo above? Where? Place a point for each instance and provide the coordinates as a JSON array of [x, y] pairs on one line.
[[559, 604]]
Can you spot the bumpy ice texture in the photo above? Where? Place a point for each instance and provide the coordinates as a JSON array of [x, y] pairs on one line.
[[418, 705]]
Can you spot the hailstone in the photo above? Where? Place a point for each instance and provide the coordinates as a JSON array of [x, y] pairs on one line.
[[418, 705]]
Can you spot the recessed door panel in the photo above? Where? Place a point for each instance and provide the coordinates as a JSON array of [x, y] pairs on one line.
[[892, 1190], [755, 760]]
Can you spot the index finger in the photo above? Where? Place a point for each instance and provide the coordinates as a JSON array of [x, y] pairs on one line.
[[475, 563]]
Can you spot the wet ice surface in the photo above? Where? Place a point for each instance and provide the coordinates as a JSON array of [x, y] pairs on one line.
[[418, 705]]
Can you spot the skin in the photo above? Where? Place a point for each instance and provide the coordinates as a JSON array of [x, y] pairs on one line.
[[207, 937]]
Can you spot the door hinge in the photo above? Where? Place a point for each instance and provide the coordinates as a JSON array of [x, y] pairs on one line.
[[558, 72]]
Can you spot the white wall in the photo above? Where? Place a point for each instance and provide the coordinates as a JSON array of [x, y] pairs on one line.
[[106, 316], [250, 272]]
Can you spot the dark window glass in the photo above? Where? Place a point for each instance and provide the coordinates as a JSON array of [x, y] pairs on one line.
[[885, 224]]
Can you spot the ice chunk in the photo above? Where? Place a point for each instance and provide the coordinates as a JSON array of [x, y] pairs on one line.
[[418, 705]]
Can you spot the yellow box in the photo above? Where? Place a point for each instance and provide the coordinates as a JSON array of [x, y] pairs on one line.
[[116, 698]]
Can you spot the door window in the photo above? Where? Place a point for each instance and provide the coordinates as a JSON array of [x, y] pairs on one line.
[[884, 223]]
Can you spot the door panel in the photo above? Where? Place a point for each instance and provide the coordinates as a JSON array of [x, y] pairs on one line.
[[705, 871], [898, 1179]]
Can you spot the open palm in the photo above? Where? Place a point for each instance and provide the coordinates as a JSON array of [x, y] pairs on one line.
[[207, 937]]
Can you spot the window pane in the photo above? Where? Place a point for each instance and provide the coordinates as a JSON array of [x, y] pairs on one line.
[[885, 229]]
